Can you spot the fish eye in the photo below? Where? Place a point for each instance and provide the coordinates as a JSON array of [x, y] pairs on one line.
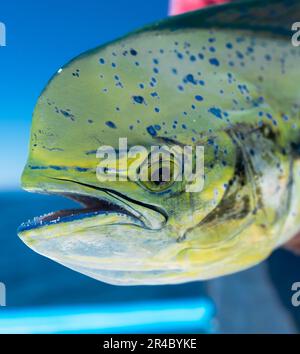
[[158, 176]]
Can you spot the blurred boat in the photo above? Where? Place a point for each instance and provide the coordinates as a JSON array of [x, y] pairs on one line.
[[184, 316]]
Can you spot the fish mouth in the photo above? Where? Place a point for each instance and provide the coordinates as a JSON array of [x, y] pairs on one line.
[[104, 202]]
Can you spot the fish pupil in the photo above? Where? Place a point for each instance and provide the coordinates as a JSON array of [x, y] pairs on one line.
[[161, 176]]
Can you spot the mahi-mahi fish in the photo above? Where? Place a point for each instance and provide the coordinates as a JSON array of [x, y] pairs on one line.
[[226, 78]]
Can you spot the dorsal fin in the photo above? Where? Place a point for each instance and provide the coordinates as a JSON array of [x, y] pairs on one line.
[[276, 16]]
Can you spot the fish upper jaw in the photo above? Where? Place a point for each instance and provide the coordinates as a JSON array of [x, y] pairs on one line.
[[95, 200]]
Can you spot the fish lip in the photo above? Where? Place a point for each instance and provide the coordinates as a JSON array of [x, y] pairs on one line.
[[92, 206]]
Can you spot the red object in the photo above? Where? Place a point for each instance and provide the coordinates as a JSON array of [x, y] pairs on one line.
[[180, 6], [294, 245]]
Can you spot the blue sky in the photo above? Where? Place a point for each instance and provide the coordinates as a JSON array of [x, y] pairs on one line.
[[41, 37]]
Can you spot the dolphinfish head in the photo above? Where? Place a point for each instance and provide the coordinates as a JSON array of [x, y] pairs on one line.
[[168, 86]]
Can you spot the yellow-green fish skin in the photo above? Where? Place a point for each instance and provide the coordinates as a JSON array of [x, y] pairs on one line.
[[228, 84]]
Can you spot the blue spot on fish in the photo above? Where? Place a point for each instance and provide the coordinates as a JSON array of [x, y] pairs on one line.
[[199, 98], [151, 130], [190, 78], [111, 124], [133, 52], [138, 99], [216, 112], [81, 169], [38, 167], [214, 61], [58, 168]]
